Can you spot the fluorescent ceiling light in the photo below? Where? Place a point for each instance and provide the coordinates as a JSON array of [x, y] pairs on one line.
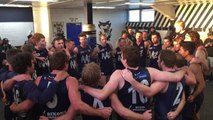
[[138, 3], [110, 1], [102, 7], [38, 0], [102, 2], [14, 5], [116, 0]]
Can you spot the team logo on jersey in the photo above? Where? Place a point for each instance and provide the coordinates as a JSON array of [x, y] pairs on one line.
[[141, 53], [85, 59], [154, 54], [73, 64], [43, 64], [105, 55], [119, 56]]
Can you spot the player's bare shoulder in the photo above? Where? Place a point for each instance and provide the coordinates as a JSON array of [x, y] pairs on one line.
[[71, 81], [117, 74]]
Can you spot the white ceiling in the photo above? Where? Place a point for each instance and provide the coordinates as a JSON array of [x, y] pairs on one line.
[[119, 4]]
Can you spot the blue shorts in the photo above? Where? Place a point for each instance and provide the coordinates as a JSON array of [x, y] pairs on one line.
[[199, 101]]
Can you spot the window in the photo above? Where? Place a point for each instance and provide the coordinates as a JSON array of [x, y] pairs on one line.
[[147, 15], [134, 15]]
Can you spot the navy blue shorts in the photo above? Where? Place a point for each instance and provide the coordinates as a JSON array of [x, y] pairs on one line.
[[199, 101]]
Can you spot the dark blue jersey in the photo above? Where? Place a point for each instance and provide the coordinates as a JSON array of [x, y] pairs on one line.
[[8, 114], [73, 62], [4, 77], [42, 67], [154, 52], [59, 103], [94, 102], [132, 38], [105, 58], [2, 70], [118, 63], [188, 111], [9, 94], [83, 56], [189, 88], [169, 101], [130, 98], [21, 91], [143, 54], [72, 69]]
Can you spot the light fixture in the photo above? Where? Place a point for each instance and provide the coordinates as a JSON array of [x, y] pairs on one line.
[[37, 0], [14, 5], [116, 0], [138, 3], [102, 7], [110, 1]]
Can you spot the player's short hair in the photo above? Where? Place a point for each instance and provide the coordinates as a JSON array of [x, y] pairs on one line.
[[91, 74]]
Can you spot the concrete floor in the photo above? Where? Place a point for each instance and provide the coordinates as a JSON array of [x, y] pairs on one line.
[[206, 110]]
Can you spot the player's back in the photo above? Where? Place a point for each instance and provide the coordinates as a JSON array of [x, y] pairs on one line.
[[94, 102], [60, 101], [169, 100], [130, 98]]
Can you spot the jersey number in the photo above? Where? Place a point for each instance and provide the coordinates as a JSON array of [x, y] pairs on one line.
[[143, 99], [16, 96], [179, 88], [53, 103]]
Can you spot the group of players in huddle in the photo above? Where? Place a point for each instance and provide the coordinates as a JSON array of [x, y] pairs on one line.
[[139, 80]]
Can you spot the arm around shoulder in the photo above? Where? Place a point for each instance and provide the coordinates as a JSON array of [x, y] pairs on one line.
[[78, 105], [111, 86], [166, 76]]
